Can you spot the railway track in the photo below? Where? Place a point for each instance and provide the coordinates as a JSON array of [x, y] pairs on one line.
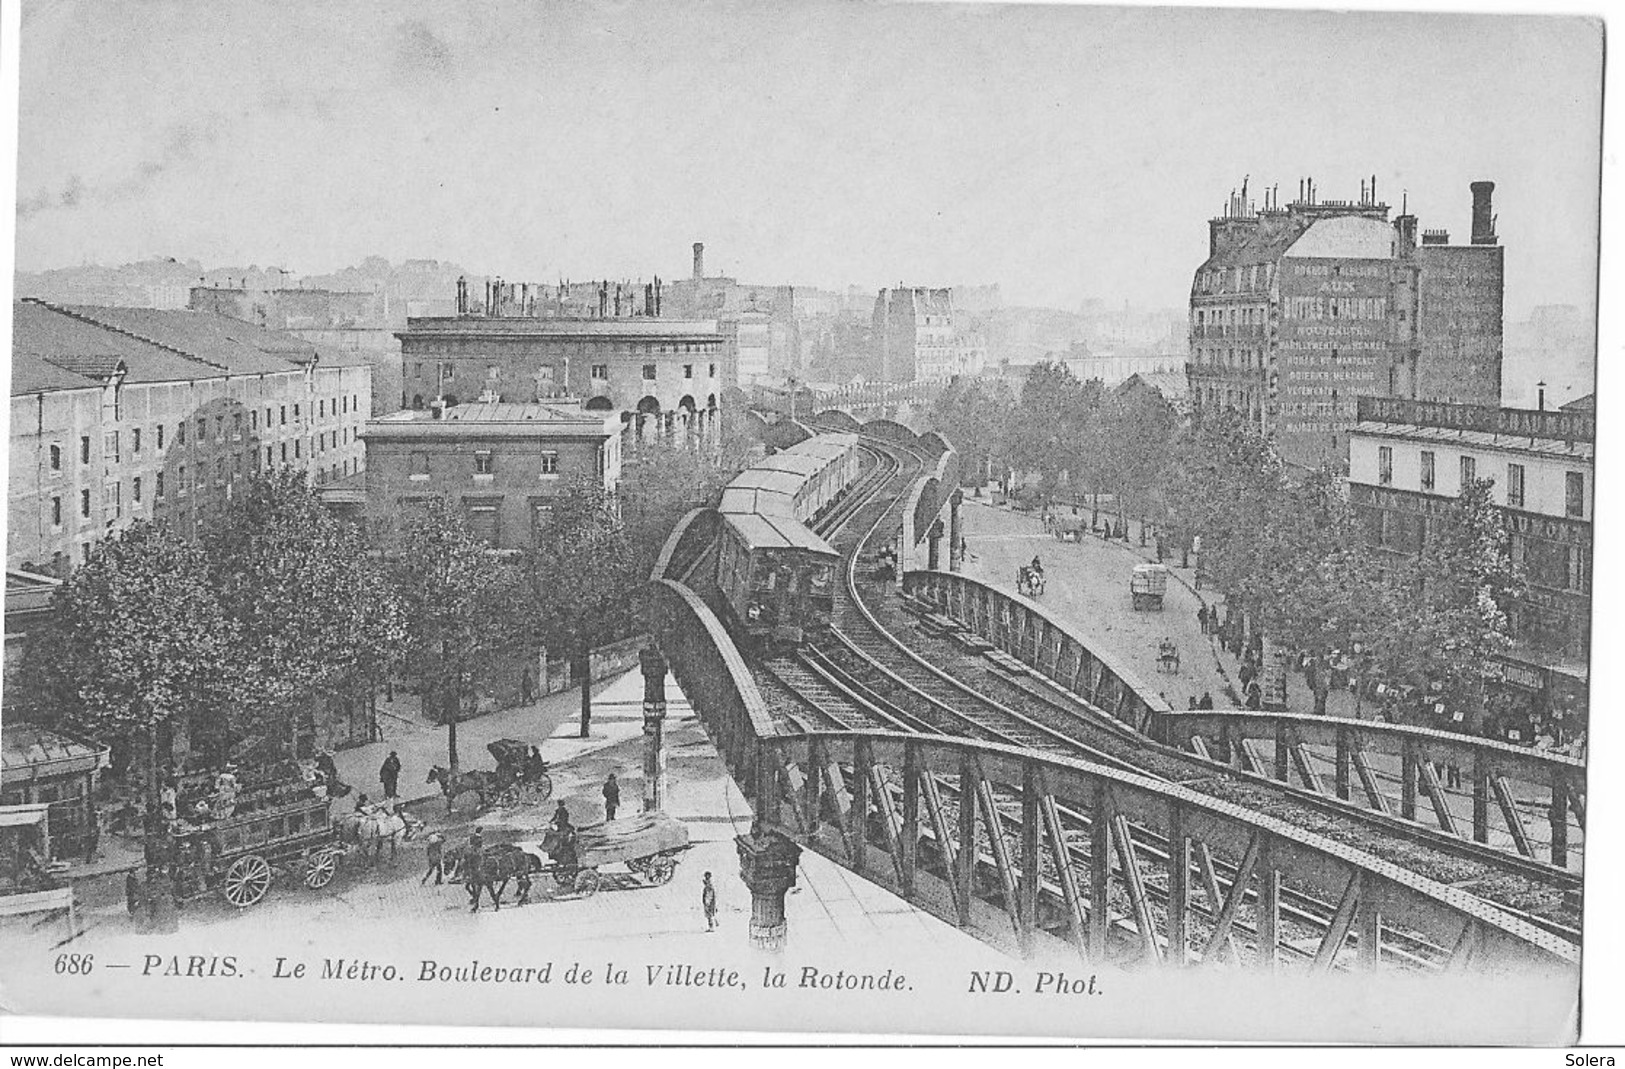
[[879, 669]]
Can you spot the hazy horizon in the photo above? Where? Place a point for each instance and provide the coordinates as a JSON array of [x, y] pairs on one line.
[[1062, 152]]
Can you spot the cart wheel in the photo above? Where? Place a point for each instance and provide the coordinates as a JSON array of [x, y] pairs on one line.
[[565, 877], [320, 868], [542, 787], [586, 882], [247, 881], [638, 864], [662, 869]]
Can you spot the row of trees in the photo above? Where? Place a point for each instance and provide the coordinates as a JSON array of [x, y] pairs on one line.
[[247, 634], [1285, 546]]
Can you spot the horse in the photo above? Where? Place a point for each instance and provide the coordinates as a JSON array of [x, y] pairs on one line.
[[493, 868], [485, 784], [373, 829]]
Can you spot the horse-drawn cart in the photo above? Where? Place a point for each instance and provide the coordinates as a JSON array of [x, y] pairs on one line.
[[649, 845], [1147, 586]]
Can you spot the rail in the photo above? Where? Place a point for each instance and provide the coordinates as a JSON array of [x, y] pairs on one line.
[[1036, 637], [1492, 767], [878, 803]]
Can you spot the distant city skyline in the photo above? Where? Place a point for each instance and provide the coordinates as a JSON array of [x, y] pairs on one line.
[[815, 143]]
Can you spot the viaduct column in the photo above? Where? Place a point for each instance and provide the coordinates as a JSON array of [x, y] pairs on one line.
[[767, 864], [654, 728], [956, 532]]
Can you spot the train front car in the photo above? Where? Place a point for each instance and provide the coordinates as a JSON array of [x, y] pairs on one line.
[[776, 575]]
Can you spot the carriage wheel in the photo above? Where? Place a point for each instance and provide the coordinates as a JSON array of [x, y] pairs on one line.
[[661, 869], [542, 787], [565, 877], [247, 881], [509, 796], [586, 882], [638, 864], [320, 868]]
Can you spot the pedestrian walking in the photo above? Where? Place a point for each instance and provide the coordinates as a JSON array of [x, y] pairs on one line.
[[389, 774], [1201, 619], [708, 902], [435, 847], [527, 688], [612, 797], [93, 833], [1255, 696], [473, 861], [1206, 701]]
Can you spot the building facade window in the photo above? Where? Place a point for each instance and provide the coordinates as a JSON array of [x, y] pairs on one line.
[[135, 441], [110, 446], [56, 458], [1515, 486], [648, 372], [1469, 472], [84, 449], [1385, 465], [158, 487], [550, 463], [600, 372], [160, 436], [56, 512], [135, 489], [482, 462], [419, 466], [84, 504], [284, 413], [1427, 469], [1574, 494], [202, 430], [688, 371]]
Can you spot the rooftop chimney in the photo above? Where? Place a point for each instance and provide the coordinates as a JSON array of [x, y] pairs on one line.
[[1483, 221], [699, 259]]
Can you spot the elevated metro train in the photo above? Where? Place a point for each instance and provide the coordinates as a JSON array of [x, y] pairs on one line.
[[776, 576]]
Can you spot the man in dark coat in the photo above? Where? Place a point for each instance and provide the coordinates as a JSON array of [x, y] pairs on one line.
[[473, 864], [389, 774], [1206, 700], [612, 797]]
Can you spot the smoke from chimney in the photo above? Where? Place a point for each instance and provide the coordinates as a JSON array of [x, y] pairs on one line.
[[699, 259]]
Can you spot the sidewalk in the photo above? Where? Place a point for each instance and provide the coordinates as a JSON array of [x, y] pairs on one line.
[[1179, 618], [551, 723]]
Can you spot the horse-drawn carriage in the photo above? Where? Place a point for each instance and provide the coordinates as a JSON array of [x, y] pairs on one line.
[[648, 845], [236, 841], [521, 775], [1029, 581]]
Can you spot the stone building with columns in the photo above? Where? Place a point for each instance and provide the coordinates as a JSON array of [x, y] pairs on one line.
[[660, 376]]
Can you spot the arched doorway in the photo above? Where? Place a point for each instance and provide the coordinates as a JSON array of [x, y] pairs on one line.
[[600, 404]]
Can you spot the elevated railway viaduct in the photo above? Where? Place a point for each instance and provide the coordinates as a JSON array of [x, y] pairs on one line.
[[961, 747]]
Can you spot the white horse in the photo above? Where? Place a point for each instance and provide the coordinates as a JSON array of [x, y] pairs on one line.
[[374, 826]]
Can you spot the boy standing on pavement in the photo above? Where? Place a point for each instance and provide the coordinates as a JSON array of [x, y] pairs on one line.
[[708, 901]]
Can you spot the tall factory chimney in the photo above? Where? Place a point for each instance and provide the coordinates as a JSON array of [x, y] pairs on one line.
[[1483, 221], [699, 259]]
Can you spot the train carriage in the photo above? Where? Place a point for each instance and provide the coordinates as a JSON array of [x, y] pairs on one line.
[[775, 574]]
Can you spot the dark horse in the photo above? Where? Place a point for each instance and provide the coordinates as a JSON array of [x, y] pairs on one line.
[[479, 781], [493, 868]]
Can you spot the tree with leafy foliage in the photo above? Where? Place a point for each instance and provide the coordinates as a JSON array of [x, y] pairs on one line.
[[1450, 617], [661, 482], [459, 601], [136, 645], [1137, 431], [1218, 483], [976, 416], [579, 579], [1051, 424], [313, 613]]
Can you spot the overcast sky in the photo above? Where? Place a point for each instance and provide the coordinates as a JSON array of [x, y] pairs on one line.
[[1063, 152]]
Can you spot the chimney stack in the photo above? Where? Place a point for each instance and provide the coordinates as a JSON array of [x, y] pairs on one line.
[[1483, 221], [699, 260]]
